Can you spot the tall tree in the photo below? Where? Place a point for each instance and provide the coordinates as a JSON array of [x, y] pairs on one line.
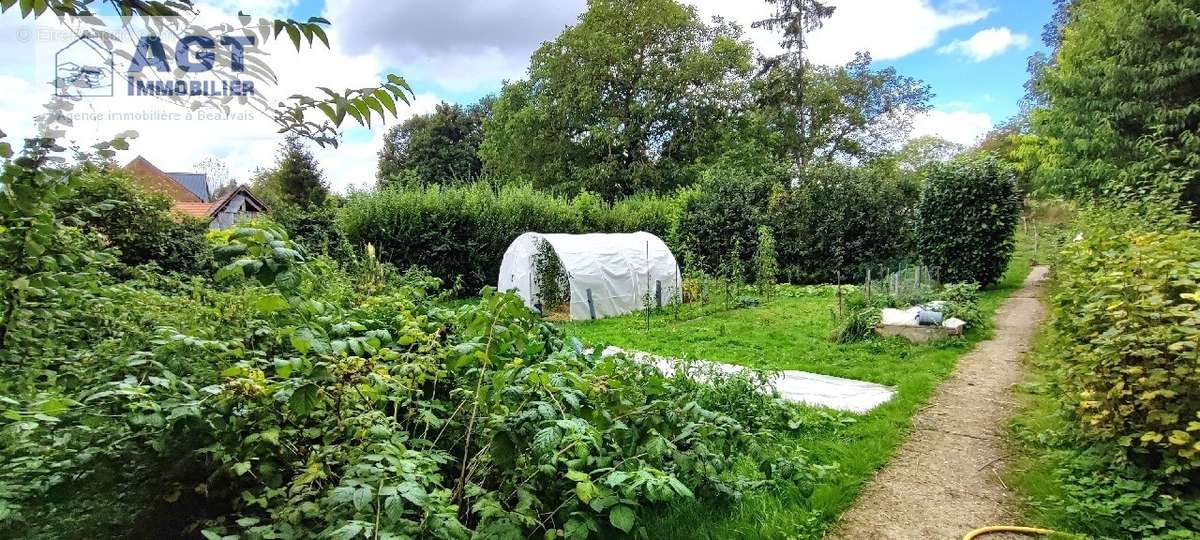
[[441, 147], [850, 112], [300, 180], [1120, 116], [783, 83], [625, 100]]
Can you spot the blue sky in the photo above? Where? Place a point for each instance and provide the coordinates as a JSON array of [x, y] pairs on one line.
[[972, 52], [994, 85]]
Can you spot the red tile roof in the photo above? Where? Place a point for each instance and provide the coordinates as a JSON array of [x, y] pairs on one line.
[[196, 209], [153, 179]]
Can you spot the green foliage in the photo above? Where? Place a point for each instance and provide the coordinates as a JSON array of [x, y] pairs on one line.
[[441, 147], [1126, 309], [550, 279], [299, 178], [1119, 115], [454, 232], [839, 221], [832, 114], [315, 228], [718, 222], [766, 267], [624, 101], [966, 220], [138, 225], [287, 405]]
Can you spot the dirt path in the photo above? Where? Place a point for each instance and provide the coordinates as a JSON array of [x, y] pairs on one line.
[[944, 481]]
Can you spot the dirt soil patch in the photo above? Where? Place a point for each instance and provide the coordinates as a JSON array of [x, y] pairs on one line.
[[945, 480]]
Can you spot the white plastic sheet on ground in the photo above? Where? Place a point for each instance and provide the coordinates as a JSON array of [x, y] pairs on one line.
[[617, 268], [796, 386]]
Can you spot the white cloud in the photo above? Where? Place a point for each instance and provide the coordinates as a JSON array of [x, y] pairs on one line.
[[460, 45], [888, 29], [960, 126], [244, 144], [986, 44]]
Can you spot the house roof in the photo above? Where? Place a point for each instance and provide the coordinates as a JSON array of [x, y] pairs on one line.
[[199, 209], [153, 179], [197, 183], [217, 206]]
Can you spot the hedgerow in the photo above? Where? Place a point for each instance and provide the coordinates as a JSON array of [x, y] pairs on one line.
[[965, 221], [1120, 358], [1128, 312]]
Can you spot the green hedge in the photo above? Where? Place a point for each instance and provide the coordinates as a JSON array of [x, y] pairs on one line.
[[840, 221], [454, 232], [837, 219], [968, 212], [1127, 316]]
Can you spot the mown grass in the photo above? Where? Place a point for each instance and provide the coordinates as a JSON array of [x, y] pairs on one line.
[[794, 333]]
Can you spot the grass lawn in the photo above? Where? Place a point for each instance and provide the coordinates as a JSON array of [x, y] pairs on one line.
[[793, 333]]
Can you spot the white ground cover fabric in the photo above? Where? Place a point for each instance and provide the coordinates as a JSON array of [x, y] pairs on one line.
[[796, 386], [617, 268]]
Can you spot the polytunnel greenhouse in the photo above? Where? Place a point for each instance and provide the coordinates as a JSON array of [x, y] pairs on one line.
[[590, 276]]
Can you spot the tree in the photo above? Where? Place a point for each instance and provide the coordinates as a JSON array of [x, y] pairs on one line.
[[216, 172], [1120, 117], [437, 148], [300, 180], [923, 152], [625, 100], [843, 112]]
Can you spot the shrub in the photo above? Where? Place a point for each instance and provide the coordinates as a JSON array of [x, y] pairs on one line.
[[454, 232], [966, 218], [551, 279], [1126, 309], [766, 267], [718, 221], [839, 221], [140, 225]]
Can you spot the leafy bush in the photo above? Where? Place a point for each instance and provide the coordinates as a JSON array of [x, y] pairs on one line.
[[551, 279], [766, 265], [718, 222], [840, 221], [454, 232], [1126, 310], [284, 404], [966, 218], [139, 225]]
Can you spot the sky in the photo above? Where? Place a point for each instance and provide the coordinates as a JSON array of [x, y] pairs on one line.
[[971, 52]]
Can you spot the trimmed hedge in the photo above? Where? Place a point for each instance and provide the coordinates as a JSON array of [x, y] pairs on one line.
[[839, 221], [454, 232], [968, 213]]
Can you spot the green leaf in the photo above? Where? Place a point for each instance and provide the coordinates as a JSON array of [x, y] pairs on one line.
[[271, 303], [622, 517], [305, 399]]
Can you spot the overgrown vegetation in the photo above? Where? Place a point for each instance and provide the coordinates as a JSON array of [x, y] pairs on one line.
[[1108, 437], [281, 401], [792, 332], [551, 279]]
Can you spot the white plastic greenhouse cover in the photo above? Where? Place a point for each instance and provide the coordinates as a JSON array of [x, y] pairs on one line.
[[616, 268]]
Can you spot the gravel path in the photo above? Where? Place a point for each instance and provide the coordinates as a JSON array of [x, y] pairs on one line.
[[945, 480]]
